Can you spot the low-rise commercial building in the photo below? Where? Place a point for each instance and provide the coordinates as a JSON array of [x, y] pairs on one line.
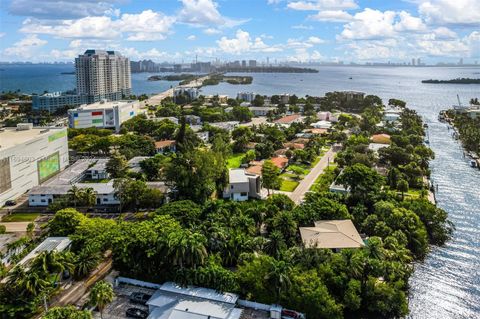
[[98, 170], [103, 114], [52, 102], [190, 93], [29, 156], [242, 185]]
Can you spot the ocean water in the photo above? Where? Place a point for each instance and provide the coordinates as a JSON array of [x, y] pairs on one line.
[[447, 283], [37, 78]]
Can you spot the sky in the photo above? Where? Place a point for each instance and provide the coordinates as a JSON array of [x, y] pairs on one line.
[[283, 30]]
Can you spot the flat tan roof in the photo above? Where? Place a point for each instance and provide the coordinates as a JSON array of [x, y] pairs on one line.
[[331, 234], [9, 136]]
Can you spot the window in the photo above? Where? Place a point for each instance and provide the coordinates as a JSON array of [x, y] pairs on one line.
[[43, 201], [231, 186], [105, 199], [243, 194]]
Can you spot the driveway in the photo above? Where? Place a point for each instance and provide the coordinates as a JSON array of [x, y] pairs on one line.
[[304, 186], [16, 227]]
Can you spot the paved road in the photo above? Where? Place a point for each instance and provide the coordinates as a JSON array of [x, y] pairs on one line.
[[299, 192], [16, 227]]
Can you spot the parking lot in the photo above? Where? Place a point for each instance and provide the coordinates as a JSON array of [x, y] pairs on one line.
[[117, 308]]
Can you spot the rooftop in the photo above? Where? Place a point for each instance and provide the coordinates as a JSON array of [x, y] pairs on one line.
[[100, 165], [166, 143], [49, 244], [102, 105], [331, 234], [288, 119], [237, 176], [10, 136], [280, 162]]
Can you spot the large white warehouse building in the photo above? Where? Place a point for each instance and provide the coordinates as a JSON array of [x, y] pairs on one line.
[[103, 114], [28, 157]]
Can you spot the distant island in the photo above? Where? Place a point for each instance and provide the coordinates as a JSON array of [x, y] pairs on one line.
[[454, 81], [174, 77], [267, 69], [214, 79]]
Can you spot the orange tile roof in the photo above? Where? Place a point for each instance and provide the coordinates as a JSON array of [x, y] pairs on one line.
[[166, 143], [317, 131], [287, 119], [280, 162], [380, 138], [297, 146], [255, 169]]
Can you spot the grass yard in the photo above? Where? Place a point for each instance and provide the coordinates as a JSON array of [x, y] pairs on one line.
[[235, 160], [322, 183], [20, 217], [288, 185]]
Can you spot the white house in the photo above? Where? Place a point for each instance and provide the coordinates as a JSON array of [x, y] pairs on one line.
[[242, 185], [98, 170]]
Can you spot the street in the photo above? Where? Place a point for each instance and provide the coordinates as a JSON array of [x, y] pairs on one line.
[[299, 192]]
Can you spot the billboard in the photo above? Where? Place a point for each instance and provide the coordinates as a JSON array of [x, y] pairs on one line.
[[48, 166], [5, 178]]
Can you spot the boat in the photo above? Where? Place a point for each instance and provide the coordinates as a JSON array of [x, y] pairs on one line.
[[350, 78], [473, 163]]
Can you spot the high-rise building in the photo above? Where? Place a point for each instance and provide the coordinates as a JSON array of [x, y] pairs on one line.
[[252, 63], [100, 75], [103, 75], [244, 64], [413, 61]]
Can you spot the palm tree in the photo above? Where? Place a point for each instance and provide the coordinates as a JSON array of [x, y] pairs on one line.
[[88, 197], [16, 276], [187, 249], [276, 244], [101, 295], [86, 261], [75, 194], [34, 283], [278, 277]]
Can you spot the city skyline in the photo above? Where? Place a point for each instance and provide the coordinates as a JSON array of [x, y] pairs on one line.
[[278, 30]]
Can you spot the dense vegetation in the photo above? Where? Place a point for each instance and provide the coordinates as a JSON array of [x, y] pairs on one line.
[[254, 248], [453, 81], [469, 130]]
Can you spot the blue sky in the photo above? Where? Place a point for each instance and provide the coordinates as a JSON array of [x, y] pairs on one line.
[[286, 30]]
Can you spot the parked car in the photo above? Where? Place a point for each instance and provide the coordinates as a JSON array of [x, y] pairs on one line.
[[10, 202], [139, 297], [290, 314], [136, 313]]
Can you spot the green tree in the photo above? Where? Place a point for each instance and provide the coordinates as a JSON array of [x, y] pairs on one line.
[[65, 222], [117, 165], [101, 295], [85, 261], [67, 312], [361, 179], [258, 100], [270, 176], [242, 113], [88, 197], [402, 186], [74, 194]]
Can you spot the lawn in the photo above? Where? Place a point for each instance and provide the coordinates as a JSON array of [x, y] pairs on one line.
[[322, 183], [235, 160], [288, 185], [20, 217]]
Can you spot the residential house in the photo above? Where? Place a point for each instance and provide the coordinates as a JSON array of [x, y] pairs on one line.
[[98, 170], [134, 163], [295, 146], [289, 119], [242, 185], [322, 125], [261, 110], [203, 136], [331, 234], [380, 138], [165, 146], [193, 119], [280, 162], [229, 126]]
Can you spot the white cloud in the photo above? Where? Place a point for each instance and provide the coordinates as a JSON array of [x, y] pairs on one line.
[[211, 31], [332, 16], [145, 26], [191, 37], [370, 24], [26, 47], [2, 34], [315, 40], [62, 9], [243, 43], [444, 33], [448, 12], [302, 27], [409, 23], [204, 13], [322, 5], [303, 55]]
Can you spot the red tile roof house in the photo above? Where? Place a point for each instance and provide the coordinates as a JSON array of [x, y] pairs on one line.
[[165, 146], [280, 162], [289, 119], [380, 138]]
